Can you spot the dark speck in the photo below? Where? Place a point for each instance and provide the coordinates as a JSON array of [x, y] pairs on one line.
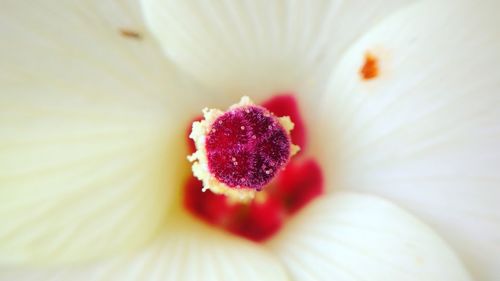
[[132, 34]]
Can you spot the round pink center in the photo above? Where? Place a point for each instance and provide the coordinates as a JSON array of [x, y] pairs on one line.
[[246, 147], [291, 190]]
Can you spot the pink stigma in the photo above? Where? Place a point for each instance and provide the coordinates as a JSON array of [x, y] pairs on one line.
[[246, 147], [293, 186]]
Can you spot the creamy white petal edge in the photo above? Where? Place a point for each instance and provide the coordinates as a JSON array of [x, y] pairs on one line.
[[86, 131], [426, 132], [354, 237], [258, 47], [190, 252]]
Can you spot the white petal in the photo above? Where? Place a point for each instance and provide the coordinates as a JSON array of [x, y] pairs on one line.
[[349, 236], [426, 131], [86, 139], [258, 47], [191, 252]]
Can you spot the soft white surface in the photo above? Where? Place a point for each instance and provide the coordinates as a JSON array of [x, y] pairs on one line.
[[257, 47], [192, 252], [86, 135], [353, 237], [426, 132]]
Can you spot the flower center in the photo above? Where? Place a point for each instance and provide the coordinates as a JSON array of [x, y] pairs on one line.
[[246, 146], [250, 147], [240, 150]]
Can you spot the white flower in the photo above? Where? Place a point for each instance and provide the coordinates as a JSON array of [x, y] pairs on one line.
[[92, 117]]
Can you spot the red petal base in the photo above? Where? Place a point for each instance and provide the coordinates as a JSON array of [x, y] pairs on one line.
[[291, 190]]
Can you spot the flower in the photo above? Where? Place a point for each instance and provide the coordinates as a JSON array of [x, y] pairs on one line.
[[92, 120]]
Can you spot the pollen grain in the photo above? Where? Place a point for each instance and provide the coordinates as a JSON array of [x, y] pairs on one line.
[[370, 68]]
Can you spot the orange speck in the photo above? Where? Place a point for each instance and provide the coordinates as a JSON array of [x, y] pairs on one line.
[[370, 68], [130, 33]]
